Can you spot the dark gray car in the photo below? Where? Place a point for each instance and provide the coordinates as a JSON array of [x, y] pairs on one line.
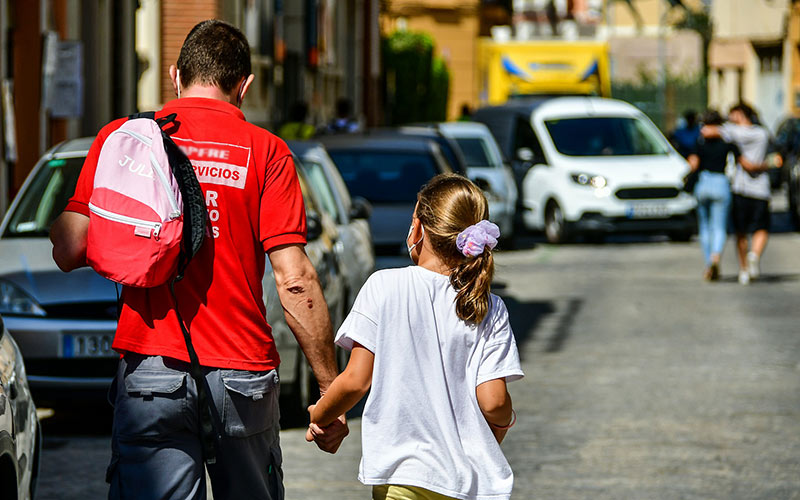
[[389, 172]]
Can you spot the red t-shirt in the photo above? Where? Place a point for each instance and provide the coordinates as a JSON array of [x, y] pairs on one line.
[[254, 204]]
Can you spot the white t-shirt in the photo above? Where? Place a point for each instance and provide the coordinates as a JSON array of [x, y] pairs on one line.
[[753, 142], [422, 425]]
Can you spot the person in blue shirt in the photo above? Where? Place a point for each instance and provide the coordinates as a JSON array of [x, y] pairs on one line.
[[684, 138]]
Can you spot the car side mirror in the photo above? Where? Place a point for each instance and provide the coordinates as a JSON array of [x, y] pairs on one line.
[[360, 208], [313, 226], [525, 154]]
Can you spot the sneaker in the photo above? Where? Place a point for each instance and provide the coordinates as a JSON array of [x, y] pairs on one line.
[[744, 277], [752, 265]]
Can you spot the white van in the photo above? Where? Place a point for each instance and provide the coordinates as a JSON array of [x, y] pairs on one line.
[[589, 165]]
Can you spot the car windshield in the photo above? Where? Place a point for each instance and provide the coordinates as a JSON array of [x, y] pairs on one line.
[[45, 198], [605, 136], [385, 177], [475, 152]]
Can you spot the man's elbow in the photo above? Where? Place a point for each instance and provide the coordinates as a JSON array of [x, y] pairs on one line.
[[298, 281], [67, 261], [67, 256]]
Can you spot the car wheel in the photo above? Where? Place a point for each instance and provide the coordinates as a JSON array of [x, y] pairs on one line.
[[555, 227]]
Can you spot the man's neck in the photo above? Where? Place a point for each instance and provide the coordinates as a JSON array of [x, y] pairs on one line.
[[208, 92]]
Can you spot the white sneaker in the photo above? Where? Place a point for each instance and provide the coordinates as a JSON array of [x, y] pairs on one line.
[[744, 277], [753, 268]]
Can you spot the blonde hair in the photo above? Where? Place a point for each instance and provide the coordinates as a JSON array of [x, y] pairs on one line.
[[447, 205]]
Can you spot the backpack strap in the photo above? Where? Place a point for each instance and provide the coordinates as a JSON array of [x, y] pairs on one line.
[[163, 122], [147, 114], [207, 431]]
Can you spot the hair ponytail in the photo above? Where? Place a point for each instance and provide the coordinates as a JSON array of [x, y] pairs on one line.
[[447, 205], [472, 280]]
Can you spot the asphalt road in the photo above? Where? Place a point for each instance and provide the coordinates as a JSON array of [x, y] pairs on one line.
[[642, 382]]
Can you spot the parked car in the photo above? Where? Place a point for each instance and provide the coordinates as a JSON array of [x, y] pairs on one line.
[[351, 215], [487, 168], [389, 172], [448, 146], [64, 323], [20, 435], [591, 165], [787, 143]]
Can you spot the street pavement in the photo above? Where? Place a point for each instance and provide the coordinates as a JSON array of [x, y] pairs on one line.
[[642, 382]]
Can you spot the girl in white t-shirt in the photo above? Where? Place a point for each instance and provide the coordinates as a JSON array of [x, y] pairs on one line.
[[437, 350]]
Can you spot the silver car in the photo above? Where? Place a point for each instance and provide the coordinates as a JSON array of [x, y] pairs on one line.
[[20, 437], [486, 167], [351, 215], [64, 323]]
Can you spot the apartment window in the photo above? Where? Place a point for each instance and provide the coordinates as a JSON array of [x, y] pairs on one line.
[[770, 58]]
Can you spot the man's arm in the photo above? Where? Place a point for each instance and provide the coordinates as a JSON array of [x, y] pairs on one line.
[[68, 235], [306, 311], [307, 315]]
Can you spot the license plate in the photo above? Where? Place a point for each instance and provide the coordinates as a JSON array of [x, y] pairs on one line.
[[647, 211], [87, 345]]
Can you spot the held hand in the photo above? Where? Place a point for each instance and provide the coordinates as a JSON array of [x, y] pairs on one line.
[[329, 438]]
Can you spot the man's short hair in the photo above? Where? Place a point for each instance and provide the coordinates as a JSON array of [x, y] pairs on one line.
[[746, 110], [214, 53]]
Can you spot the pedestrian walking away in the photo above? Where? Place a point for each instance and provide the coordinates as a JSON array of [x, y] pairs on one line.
[[435, 349], [255, 209], [685, 137], [750, 187], [296, 128], [343, 123], [713, 193]]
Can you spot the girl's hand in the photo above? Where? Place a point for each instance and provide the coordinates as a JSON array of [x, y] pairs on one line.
[[309, 434], [328, 438]]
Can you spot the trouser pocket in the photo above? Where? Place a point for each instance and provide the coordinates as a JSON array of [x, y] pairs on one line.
[[151, 404], [250, 404]]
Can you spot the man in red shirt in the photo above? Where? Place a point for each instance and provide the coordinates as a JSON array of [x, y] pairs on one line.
[[255, 208]]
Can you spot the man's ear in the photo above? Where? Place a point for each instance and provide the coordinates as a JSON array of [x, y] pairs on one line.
[[173, 76]]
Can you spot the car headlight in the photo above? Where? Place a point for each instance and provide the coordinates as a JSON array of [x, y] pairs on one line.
[[596, 181], [14, 300]]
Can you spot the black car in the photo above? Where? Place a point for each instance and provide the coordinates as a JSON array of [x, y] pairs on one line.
[[388, 171], [787, 143], [448, 146]]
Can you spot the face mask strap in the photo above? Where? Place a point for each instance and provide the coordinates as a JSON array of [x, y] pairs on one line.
[[412, 247], [178, 81], [239, 96]]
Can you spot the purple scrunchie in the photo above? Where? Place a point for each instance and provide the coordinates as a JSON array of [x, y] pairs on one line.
[[473, 239]]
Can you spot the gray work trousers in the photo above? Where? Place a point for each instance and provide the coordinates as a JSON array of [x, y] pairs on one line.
[[155, 443]]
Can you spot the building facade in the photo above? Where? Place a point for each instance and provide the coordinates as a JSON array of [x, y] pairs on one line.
[[314, 51], [752, 57], [455, 26], [67, 67]]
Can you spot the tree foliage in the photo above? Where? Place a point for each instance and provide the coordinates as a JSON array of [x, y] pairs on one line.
[[416, 84]]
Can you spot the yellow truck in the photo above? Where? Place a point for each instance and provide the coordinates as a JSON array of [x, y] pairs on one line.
[[531, 68]]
